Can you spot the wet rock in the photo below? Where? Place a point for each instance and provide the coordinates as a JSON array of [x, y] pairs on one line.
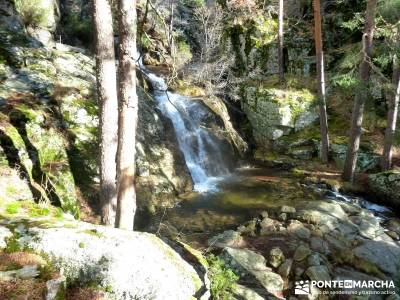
[[264, 214], [301, 253], [314, 259], [326, 214], [347, 230], [228, 238], [368, 226], [282, 217], [285, 268], [242, 292], [384, 255], [394, 225], [276, 257], [267, 226], [288, 209], [271, 281], [318, 273], [249, 227], [393, 235], [4, 234], [297, 228], [250, 263], [386, 185], [319, 245], [335, 243], [244, 261]]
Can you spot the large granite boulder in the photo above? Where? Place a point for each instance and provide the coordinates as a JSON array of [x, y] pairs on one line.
[[387, 186], [274, 112], [128, 265]]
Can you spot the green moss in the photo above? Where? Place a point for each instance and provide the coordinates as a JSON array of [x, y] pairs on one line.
[[38, 211], [93, 232], [185, 88], [13, 208], [12, 244], [223, 279], [81, 245]]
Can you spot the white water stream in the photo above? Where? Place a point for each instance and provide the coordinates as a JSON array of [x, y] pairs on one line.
[[199, 145]]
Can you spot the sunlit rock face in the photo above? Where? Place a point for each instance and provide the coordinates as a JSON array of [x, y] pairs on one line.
[[387, 186], [274, 111], [127, 265]]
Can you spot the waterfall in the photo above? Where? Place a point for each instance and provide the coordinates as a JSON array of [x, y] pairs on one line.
[[200, 147]]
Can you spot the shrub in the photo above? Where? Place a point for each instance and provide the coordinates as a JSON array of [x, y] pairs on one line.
[[33, 12], [223, 279]]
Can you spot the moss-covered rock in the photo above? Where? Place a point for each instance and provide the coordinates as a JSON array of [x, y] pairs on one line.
[[387, 186], [275, 111], [367, 160], [49, 132]]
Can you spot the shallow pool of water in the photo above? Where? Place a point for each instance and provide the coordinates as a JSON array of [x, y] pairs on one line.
[[239, 198]]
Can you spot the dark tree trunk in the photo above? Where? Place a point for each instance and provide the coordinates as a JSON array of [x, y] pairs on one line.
[[280, 43], [323, 117], [128, 113], [393, 105], [107, 95], [362, 94]]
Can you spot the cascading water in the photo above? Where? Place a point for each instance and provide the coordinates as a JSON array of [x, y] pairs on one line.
[[199, 146]]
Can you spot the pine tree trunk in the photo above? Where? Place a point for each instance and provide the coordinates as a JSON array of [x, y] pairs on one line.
[[128, 111], [362, 94], [107, 95], [280, 43], [393, 105], [323, 117]]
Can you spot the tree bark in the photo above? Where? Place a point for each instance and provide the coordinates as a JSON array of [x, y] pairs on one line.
[[362, 94], [393, 106], [323, 117], [107, 95], [280, 43], [128, 111]]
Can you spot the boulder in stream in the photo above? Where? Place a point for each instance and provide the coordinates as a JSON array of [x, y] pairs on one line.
[[387, 186]]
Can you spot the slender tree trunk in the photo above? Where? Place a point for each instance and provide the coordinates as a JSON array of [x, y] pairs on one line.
[[362, 94], [107, 94], [128, 114], [171, 28], [393, 105], [323, 117], [280, 43]]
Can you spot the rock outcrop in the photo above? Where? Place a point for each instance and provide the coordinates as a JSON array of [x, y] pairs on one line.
[[387, 186], [124, 264], [318, 240], [49, 126], [274, 112]]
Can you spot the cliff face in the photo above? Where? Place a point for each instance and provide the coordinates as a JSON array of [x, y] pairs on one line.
[[49, 127]]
